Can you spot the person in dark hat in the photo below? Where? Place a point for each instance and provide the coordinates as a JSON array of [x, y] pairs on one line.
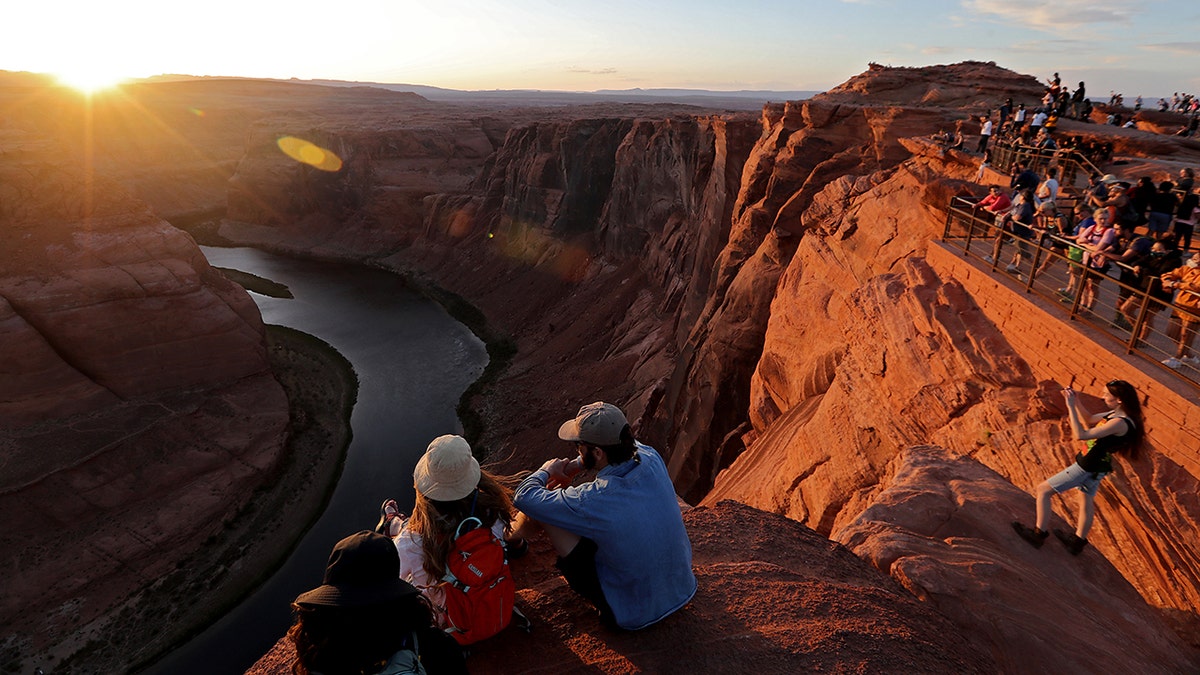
[[364, 620]]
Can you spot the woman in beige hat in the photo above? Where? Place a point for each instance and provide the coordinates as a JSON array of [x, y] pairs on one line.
[[450, 487]]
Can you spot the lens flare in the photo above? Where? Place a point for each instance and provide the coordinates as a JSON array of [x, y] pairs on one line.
[[309, 153]]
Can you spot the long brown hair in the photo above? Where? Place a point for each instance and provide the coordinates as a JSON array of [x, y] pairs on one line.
[[437, 521], [1132, 408]]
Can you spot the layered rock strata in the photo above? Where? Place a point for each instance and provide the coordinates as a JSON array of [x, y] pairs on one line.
[[783, 340], [137, 409]]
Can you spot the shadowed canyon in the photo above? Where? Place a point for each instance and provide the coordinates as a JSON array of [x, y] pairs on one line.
[[846, 403]]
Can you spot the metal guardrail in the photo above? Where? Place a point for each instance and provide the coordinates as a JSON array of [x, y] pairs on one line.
[[1071, 164], [1045, 272]]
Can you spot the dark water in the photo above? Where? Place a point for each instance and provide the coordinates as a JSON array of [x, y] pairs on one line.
[[413, 361]]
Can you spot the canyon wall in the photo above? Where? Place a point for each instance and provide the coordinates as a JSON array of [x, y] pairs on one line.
[[138, 412], [761, 296], [757, 294]]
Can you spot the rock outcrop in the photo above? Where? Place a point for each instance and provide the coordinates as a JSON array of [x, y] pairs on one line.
[[773, 597], [138, 412]]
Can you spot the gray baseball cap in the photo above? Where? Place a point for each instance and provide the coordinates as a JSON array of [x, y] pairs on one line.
[[596, 423]]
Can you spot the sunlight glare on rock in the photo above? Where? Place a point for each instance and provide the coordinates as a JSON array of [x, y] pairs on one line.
[[309, 153]]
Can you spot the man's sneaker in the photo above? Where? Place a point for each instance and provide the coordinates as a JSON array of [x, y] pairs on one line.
[[987, 259], [1191, 360], [1034, 536], [1072, 541], [1012, 267], [1064, 291], [1173, 363]]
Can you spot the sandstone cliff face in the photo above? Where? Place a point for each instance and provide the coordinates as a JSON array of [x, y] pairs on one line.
[[785, 340], [758, 296], [137, 409]]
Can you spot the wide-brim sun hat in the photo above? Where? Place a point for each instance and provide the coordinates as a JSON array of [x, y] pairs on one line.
[[363, 570], [596, 423], [447, 471], [1109, 178]]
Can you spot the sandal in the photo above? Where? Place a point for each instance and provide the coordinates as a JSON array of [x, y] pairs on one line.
[[390, 518]]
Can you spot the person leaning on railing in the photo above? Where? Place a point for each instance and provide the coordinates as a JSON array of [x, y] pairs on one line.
[[1185, 217], [1163, 258], [995, 202], [1097, 242], [1018, 221], [1134, 250], [1185, 281], [1083, 219]]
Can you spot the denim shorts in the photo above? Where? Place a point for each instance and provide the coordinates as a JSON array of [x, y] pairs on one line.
[[1076, 476], [1158, 222]]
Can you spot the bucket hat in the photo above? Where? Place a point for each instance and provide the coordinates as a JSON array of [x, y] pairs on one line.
[[447, 471]]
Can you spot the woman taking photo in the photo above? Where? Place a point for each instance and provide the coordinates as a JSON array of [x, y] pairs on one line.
[[1118, 429]]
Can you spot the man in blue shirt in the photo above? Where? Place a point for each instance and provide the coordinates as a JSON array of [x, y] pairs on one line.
[[620, 537]]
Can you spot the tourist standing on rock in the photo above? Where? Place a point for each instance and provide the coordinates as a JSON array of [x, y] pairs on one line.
[[620, 538], [1118, 429], [1077, 100], [985, 134], [453, 494], [364, 618], [1185, 215]]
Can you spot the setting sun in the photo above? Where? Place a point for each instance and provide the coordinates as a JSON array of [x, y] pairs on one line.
[[88, 80]]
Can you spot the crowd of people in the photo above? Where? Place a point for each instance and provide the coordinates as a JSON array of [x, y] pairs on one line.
[[408, 596], [1141, 230]]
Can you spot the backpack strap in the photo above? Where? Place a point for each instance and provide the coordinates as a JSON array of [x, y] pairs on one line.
[[458, 531]]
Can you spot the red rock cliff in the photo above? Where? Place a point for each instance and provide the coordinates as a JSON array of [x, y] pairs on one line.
[[758, 295], [137, 408]]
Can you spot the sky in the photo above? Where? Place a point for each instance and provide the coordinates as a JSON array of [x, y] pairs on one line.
[[1149, 47]]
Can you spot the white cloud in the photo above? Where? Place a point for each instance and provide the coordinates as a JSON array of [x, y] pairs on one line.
[[1054, 16], [1180, 48]]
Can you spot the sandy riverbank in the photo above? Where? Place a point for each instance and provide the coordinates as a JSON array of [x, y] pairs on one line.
[[321, 389]]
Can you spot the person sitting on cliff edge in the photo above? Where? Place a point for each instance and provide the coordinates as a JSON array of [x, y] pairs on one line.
[[1118, 429], [364, 618], [620, 537]]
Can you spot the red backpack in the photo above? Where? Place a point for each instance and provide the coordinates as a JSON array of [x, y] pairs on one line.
[[478, 586]]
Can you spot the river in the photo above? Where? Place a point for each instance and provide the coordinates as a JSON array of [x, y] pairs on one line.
[[413, 362]]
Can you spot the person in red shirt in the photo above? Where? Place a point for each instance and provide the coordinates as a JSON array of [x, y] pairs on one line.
[[995, 201]]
